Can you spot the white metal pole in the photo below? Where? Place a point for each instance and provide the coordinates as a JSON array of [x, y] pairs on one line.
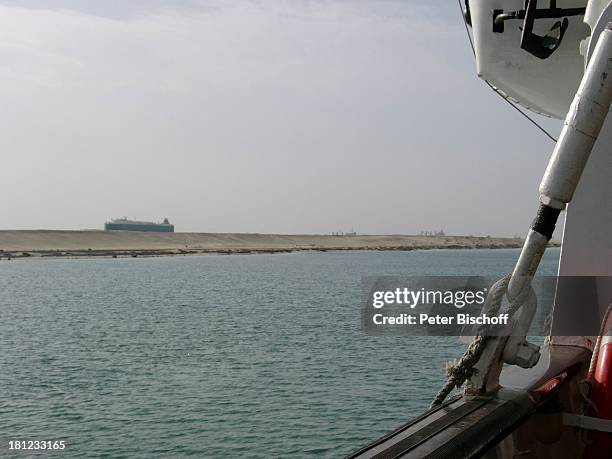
[[582, 125], [580, 130]]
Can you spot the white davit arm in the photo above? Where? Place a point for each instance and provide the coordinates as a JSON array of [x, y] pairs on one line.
[[582, 126], [580, 130]]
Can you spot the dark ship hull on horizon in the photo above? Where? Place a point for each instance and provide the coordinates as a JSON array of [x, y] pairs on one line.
[[123, 224]]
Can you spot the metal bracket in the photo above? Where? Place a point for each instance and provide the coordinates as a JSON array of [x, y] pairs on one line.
[[539, 46], [519, 351]]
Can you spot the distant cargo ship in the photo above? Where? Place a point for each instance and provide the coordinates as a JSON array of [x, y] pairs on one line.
[[123, 224]]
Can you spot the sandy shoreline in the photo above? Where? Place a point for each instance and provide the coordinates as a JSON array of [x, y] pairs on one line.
[[76, 244]]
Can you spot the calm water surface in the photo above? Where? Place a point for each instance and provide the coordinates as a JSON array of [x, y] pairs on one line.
[[215, 356]]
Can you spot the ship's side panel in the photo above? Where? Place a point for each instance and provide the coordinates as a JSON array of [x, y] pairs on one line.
[[587, 245]]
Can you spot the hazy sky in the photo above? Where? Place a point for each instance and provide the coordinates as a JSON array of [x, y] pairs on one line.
[[262, 116]]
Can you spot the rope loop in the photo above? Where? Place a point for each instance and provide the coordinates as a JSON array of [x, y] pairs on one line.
[[463, 369]]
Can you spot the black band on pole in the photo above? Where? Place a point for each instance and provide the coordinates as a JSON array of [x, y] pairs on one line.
[[545, 220]]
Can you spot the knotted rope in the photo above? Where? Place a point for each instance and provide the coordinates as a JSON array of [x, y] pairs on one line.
[[461, 371]]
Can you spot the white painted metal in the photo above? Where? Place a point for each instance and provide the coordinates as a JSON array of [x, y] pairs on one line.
[[581, 128], [583, 124], [594, 10], [529, 259], [543, 85], [587, 245], [587, 234], [598, 14], [518, 351]]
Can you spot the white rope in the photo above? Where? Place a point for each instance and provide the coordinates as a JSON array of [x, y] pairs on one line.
[[460, 372]]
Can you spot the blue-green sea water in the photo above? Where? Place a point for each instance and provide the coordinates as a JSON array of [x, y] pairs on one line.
[[215, 356]]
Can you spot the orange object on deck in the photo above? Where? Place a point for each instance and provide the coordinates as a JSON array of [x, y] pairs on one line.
[[600, 443]]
